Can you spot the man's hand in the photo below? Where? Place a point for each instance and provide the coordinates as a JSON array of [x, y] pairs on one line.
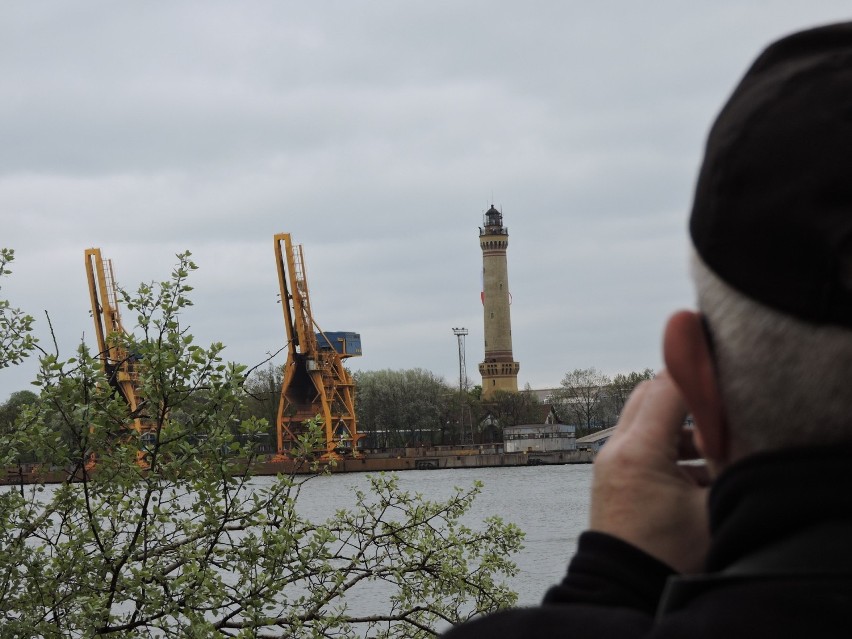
[[640, 493]]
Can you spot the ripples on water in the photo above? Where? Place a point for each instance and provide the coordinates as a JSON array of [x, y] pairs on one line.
[[549, 503]]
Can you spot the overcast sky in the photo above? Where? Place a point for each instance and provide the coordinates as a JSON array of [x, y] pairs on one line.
[[377, 134]]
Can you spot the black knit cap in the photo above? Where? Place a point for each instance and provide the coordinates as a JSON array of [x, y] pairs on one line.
[[773, 206]]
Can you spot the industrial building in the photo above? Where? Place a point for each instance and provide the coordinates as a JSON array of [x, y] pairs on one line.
[[539, 438]]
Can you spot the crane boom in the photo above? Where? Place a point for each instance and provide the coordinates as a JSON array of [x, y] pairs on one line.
[[116, 361], [315, 381]]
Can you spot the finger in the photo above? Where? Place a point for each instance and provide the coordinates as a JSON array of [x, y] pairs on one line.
[[661, 414], [631, 408], [661, 406]]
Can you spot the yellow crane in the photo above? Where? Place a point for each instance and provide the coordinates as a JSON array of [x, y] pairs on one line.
[[118, 364], [316, 384]]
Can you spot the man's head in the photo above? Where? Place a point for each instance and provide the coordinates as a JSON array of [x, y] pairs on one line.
[[772, 228]]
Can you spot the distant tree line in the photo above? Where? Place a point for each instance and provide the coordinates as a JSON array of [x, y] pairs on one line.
[[414, 407], [591, 400]]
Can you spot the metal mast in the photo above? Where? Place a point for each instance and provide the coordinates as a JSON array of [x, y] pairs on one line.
[[460, 335], [464, 409]]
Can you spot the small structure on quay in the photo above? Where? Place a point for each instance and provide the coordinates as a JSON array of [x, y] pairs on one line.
[[539, 438], [593, 442]]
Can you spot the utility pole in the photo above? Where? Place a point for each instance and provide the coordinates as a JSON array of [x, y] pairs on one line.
[[464, 409]]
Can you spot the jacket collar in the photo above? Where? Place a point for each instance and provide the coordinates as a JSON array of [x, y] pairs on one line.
[[767, 498]]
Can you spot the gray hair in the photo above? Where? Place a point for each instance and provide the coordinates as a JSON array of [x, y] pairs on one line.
[[784, 382]]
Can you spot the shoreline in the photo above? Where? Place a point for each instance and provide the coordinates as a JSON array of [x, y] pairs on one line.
[[426, 458]]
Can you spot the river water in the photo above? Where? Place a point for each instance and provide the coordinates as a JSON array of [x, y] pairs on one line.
[[549, 503]]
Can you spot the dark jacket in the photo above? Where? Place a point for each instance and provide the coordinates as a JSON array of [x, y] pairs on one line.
[[780, 565]]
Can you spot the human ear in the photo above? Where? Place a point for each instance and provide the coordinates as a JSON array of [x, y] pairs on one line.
[[688, 354]]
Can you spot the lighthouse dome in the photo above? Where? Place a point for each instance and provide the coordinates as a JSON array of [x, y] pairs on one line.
[[493, 217]]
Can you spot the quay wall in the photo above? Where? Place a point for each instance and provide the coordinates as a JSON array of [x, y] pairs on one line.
[[369, 461], [423, 460]]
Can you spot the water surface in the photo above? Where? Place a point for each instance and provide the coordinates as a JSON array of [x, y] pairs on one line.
[[549, 503]]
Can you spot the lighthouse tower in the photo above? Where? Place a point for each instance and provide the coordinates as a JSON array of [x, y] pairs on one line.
[[499, 370]]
